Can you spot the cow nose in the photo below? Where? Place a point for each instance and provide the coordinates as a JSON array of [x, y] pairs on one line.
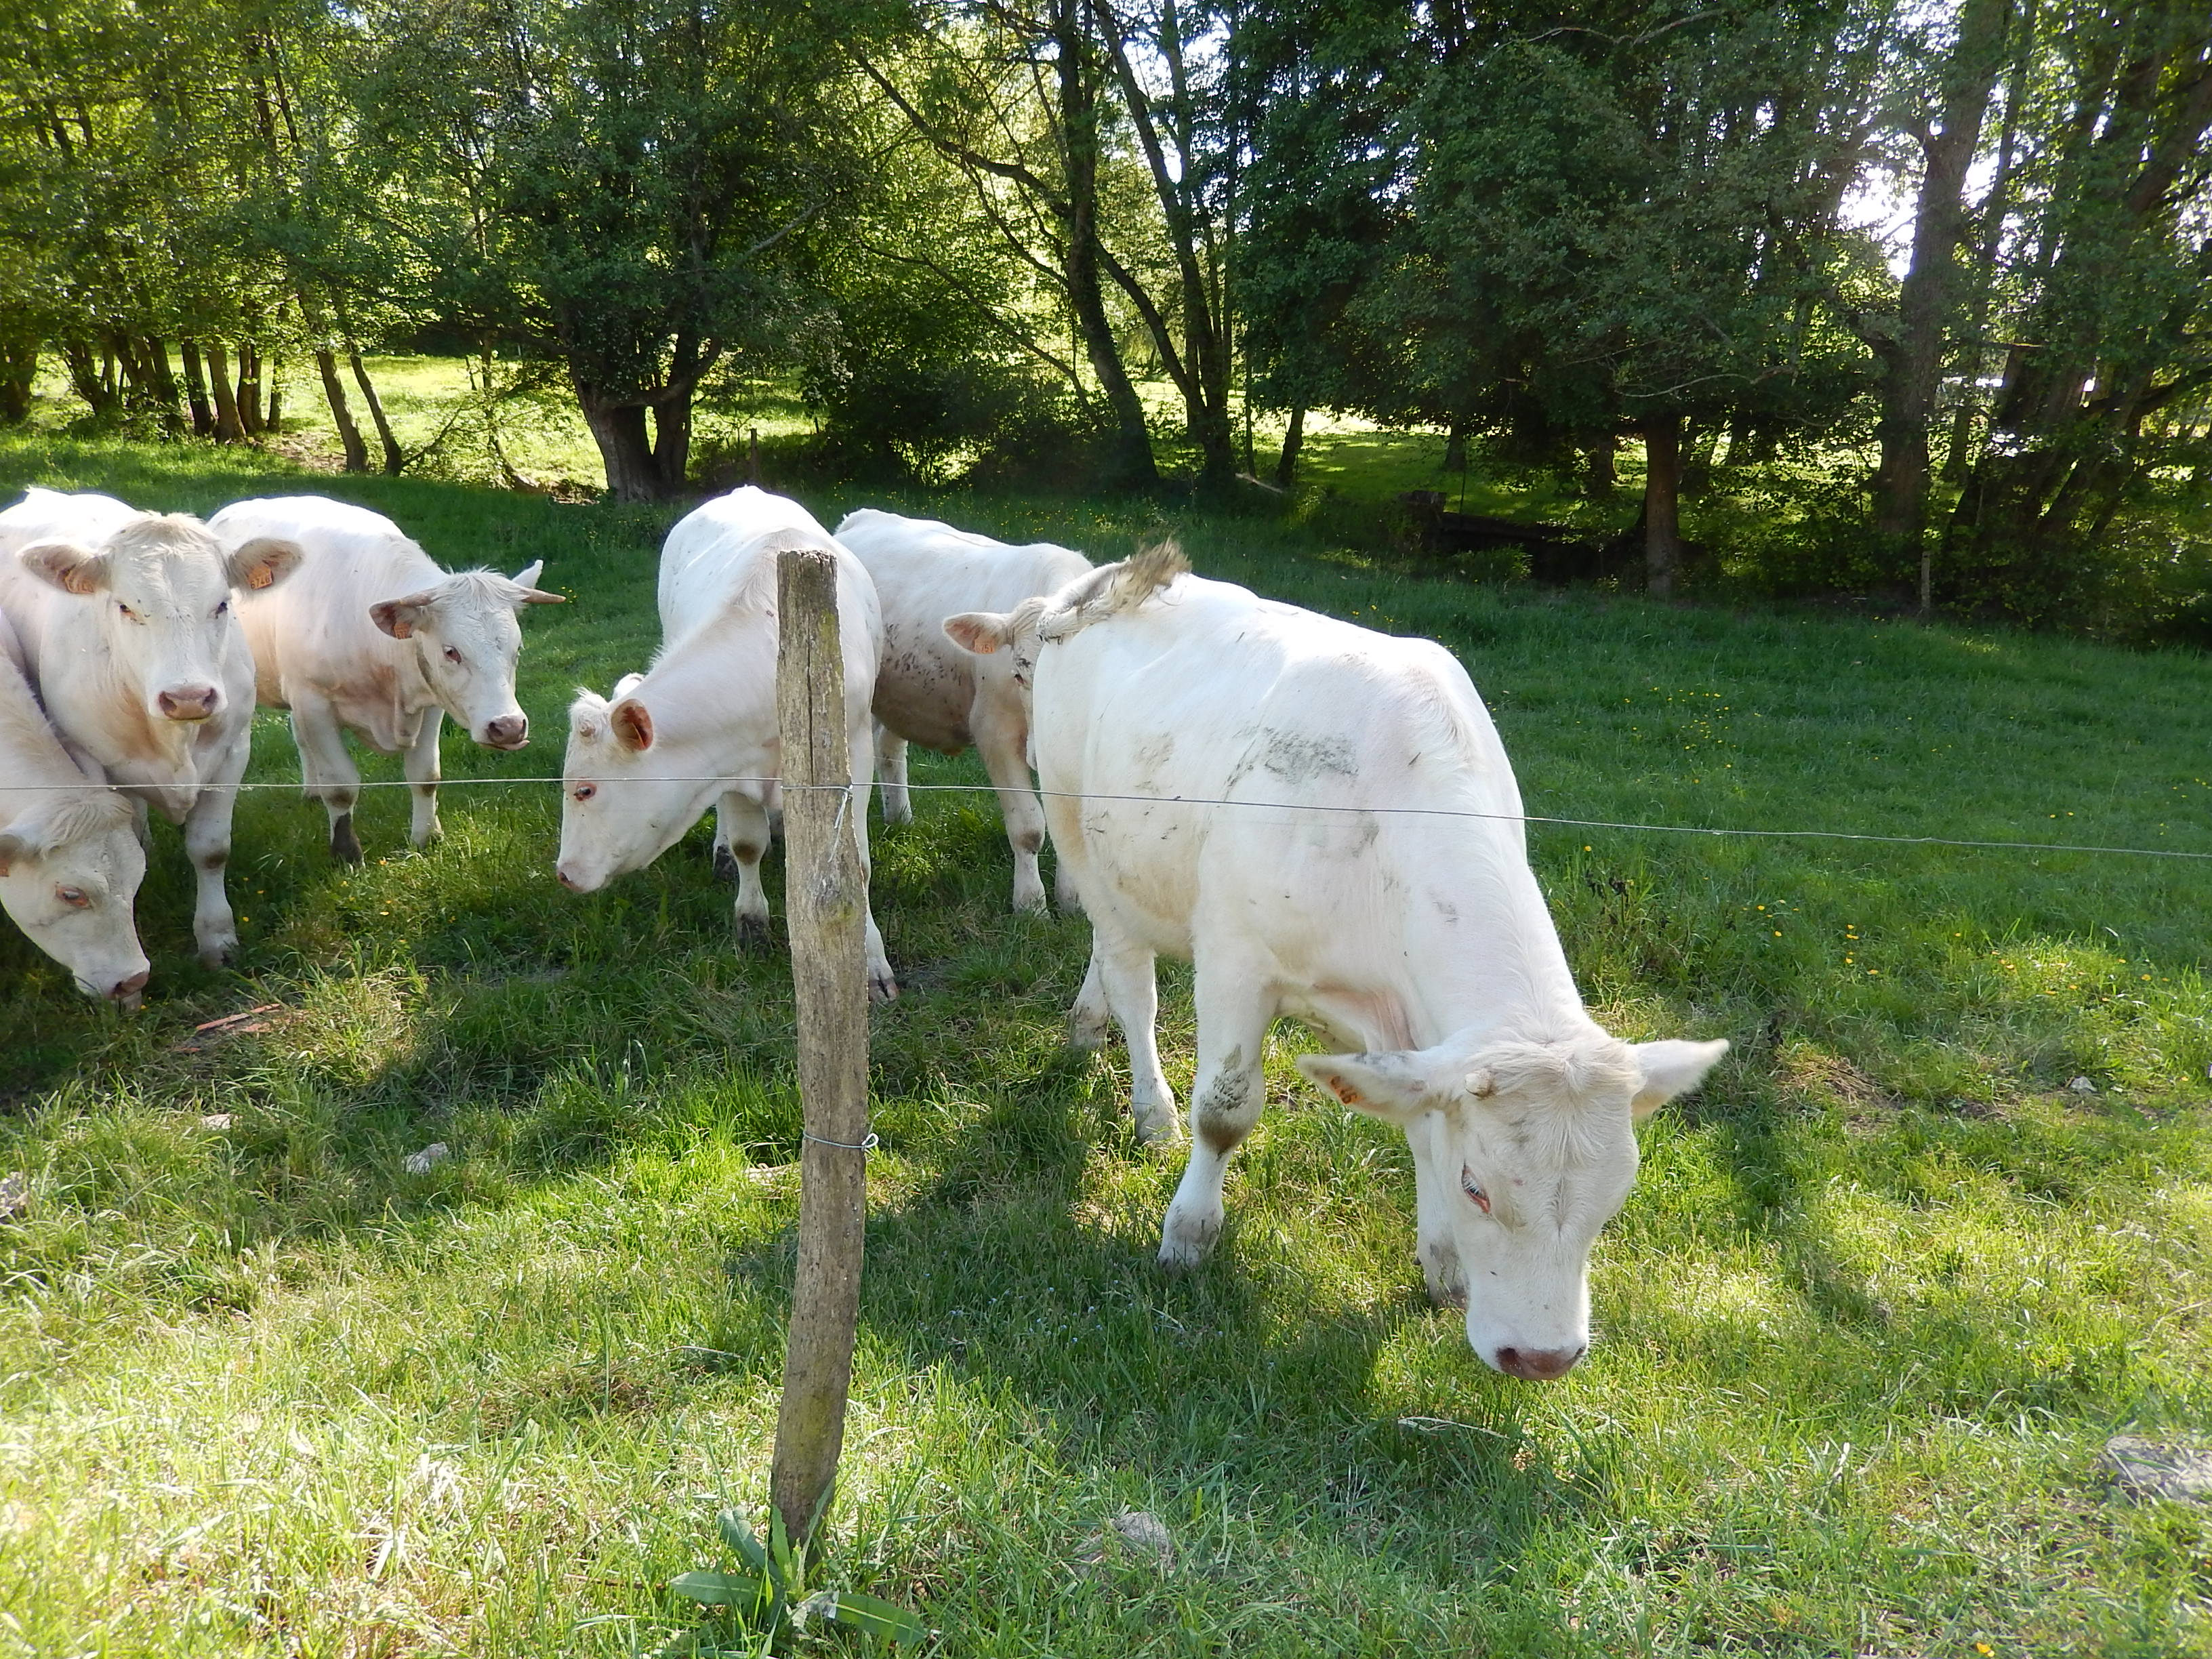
[[188, 702], [507, 732], [567, 881], [1539, 1365], [129, 992]]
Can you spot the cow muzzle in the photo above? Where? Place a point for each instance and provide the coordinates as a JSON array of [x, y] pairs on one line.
[[1538, 1364], [189, 702], [128, 993], [507, 732]]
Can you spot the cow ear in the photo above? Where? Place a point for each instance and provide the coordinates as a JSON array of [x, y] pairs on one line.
[[72, 568], [1671, 1068], [263, 562], [632, 725], [526, 579], [399, 618], [980, 631], [1392, 1086]]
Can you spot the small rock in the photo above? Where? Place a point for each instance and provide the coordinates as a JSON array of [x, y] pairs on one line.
[[217, 1121], [428, 1158], [2081, 1086], [1145, 1534], [2152, 1469], [14, 1193]]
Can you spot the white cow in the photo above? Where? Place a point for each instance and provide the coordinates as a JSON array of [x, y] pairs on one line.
[[642, 768], [69, 860], [929, 691], [131, 636], [371, 636], [1414, 931]]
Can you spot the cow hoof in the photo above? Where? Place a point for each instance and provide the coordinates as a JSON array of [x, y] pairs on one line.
[[881, 987], [726, 864], [901, 813], [1184, 1248], [752, 932], [345, 845], [219, 953], [1159, 1129], [436, 832]]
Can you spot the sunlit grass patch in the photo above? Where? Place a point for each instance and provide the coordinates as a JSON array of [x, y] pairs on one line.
[[1885, 1286]]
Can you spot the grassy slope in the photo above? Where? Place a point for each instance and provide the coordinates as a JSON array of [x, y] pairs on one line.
[[1883, 1289]]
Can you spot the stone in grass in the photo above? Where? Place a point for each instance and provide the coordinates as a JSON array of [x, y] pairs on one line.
[[428, 1158], [2153, 1468], [14, 1193], [2081, 1086]]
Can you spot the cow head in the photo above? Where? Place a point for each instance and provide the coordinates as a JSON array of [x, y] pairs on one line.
[[1527, 1148], [466, 637], [627, 796], [1007, 636], [164, 588], [70, 870]]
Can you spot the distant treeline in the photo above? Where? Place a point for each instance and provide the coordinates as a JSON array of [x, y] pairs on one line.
[[972, 229]]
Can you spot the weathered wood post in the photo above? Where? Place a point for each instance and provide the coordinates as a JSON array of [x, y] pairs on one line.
[[752, 455], [825, 903]]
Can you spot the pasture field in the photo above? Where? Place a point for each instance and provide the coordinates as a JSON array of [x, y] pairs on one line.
[[1884, 1289]]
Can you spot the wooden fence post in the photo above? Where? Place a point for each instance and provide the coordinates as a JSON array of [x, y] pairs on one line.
[[825, 903]]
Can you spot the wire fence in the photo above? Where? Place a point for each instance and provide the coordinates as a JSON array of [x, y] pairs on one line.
[[1717, 830]]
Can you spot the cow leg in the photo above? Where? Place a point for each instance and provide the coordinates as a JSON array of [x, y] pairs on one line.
[[422, 777], [890, 773], [882, 987], [327, 773], [1433, 1194], [741, 834], [1226, 1100], [1086, 1021], [1004, 745], [207, 843], [1125, 973]]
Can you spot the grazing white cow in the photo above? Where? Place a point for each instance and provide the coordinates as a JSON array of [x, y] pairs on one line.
[[69, 858], [130, 636], [931, 692], [1416, 935], [371, 636], [642, 768]]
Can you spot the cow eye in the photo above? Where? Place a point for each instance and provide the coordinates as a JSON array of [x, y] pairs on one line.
[[1479, 1198], [223, 609], [126, 611], [74, 897], [452, 655], [585, 791]]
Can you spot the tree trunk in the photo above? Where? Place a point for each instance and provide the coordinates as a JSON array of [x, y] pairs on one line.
[[356, 452], [248, 399], [88, 381], [826, 904], [1456, 448], [1129, 454], [229, 429], [626, 452], [196, 391], [1294, 438], [1599, 478], [146, 362], [1663, 483], [1912, 361], [395, 458], [19, 371], [274, 380]]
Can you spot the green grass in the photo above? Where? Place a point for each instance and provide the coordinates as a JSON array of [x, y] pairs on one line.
[[1883, 1290]]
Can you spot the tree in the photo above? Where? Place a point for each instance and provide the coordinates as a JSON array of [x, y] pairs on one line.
[[624, 187]]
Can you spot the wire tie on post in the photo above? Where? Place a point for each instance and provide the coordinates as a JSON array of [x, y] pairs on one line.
[[867, 1145]]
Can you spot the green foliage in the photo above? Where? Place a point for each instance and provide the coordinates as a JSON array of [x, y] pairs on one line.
[[770, 1595]]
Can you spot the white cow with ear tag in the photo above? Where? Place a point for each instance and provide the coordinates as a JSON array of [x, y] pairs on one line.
[[131, 635], [698, 728], [1369, 873], [70, 860], [373, 637]]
